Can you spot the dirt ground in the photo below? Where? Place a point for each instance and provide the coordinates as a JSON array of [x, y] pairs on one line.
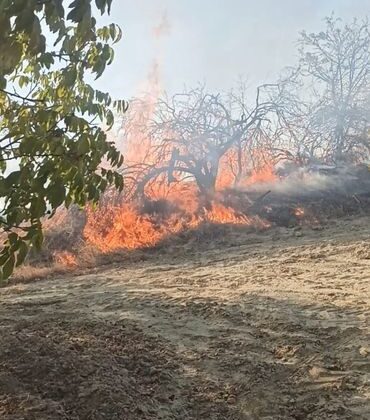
[[271, 325]]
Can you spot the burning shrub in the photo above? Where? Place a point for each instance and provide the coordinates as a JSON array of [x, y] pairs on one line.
[[63, 235]]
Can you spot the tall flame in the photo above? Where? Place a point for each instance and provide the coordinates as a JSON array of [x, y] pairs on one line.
[[174, 206]]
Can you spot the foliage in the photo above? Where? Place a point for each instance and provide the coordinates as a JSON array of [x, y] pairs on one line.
[[51, 140]]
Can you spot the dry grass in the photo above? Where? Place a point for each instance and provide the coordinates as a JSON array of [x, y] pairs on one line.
[[28, 272], [66, 251]]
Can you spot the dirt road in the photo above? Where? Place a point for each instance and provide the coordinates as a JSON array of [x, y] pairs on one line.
[[270, 325]]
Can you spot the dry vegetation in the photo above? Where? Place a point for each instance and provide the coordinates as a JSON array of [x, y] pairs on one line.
[[236, 325]]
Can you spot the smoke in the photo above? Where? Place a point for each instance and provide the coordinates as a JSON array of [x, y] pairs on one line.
[[152, 86], [303, 182], [163, 28], [148, 91]]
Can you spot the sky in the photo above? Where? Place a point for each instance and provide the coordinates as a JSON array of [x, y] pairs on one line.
[[215, 42]]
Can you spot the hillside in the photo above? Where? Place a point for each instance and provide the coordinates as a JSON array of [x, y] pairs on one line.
[[271, 325]]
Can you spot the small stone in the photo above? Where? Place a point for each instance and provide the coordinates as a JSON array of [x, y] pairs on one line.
[[231, 400], [364, 351]]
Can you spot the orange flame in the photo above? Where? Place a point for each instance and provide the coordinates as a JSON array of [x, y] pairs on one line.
[[252, 168], [123, 227], [130, 225], [299, 211], [66, 259]]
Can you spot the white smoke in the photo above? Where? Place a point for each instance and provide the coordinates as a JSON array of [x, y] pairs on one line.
[[304, 182]]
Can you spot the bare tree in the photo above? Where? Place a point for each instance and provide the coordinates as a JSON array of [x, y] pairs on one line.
[[332, 88], [188, 133]]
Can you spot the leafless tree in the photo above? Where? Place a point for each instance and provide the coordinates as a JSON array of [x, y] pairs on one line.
[[331, 92], [188, 133]]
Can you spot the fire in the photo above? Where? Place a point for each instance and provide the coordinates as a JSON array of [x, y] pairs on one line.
[[265, 173], [170, 202], [113, 228], [170, 206], [256, 167], [263, 169], [66, 259], [224, 215], [299, 211]]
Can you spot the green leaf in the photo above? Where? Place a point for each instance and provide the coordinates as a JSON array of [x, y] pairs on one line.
[[24, 21], [70, 77], [52, 144], [4, 256], [38, 239], [109, 119], [78, 11], [56, 193], [8, 267], [121, 106], [61, 91], [23, 81], [38, 206], [12, 179], [10, 55], [101, 4], [2, 82], [22, 253], [115, 32], [12, 238]]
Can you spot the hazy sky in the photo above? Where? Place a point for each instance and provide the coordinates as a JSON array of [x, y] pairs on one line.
[[215, 41]]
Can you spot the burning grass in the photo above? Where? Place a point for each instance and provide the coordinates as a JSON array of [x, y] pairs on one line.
[[114, 232], [127, 227], [179, 184]]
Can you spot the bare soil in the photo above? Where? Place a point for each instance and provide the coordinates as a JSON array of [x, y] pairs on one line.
[[271, 325]]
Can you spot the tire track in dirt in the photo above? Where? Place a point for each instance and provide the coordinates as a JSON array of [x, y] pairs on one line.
[[277, 329]]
